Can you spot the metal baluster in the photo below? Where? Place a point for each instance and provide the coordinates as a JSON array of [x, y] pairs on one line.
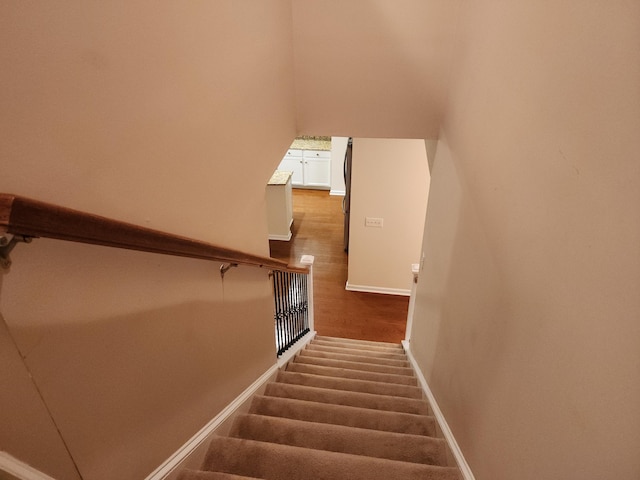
[[300, 306], [287, 309], [283, 312], [295, 302], [303, 308], [275, 307], [292, 308], [278, 315], [305, 304]]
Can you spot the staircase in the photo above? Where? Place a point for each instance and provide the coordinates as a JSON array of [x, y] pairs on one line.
[[342, 409]]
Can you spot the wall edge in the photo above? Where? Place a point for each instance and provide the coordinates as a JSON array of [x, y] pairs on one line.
[[465, 470]]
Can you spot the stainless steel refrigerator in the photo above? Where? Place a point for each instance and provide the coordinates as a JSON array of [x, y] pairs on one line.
[[346, 202]]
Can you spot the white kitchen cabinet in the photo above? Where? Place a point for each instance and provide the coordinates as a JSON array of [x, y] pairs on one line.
[[292, 162], [317, 168], [311, 168]]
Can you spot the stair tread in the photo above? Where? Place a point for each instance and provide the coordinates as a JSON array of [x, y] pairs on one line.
[[188, 474], [350, 384], [343, 397], [340, 438], [354, 358], [357, 341], [350, 373], [356, 351], [367, 367], [352, 416], [283, 462], [360, 346]]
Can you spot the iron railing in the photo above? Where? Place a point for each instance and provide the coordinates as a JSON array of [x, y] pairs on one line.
[[291, 296]]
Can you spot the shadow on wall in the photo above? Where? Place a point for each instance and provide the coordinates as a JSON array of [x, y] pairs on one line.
[[456, 319], [127, 391], [126, 383]]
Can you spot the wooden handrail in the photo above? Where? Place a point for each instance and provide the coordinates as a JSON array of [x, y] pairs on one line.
[[32, 218]]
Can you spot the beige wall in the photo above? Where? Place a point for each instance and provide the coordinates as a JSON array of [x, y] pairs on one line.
[[389, 180], [148, 114], [372, 68], [526, 322]]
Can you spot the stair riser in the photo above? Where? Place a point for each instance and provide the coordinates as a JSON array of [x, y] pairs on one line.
[[203, 475], [358, 352], [366, 367], [354, 399], [344, 415], [351, 385], [337, 438], [398, 350], [357, 342], [355, 358], [353, 374], [280, 462]]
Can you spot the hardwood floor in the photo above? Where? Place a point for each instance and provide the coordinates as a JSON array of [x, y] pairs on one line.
[[318, 230]]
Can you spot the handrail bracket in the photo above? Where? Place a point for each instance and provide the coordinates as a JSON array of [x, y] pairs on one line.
[[225, 268], [7, 243]]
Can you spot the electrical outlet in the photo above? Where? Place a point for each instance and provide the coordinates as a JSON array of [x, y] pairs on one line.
[[373, 222]]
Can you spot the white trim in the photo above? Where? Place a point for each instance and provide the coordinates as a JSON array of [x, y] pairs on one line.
[[369, 289], [312, 186], [295, 348], [199, 438], [308, 260], [415, 270], [467, 474], [285, 238], [15, 467], [337, 193]]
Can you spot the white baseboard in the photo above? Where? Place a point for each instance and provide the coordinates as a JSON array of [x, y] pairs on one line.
[[337, 193], [386, 291], [467, 474], [311, 187], [18, 469], [284, 238], [175, 460]]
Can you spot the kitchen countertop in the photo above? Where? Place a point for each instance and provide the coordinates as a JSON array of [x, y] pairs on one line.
[[279, 177], [311, 143]]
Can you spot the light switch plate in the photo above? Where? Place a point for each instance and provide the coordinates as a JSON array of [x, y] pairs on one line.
[[373, 222]]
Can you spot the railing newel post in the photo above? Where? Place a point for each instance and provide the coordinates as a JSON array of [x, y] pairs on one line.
[[308, 261]]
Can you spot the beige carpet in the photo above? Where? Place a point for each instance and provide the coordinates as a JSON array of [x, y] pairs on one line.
[[342, 409]]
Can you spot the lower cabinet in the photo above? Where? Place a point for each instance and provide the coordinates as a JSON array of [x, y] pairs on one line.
[[310, 168], [292, 162]]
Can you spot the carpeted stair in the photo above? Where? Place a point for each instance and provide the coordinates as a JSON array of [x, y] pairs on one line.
[[342, 409]]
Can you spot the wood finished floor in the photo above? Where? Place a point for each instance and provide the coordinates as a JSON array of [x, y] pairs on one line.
[[318, 230]]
